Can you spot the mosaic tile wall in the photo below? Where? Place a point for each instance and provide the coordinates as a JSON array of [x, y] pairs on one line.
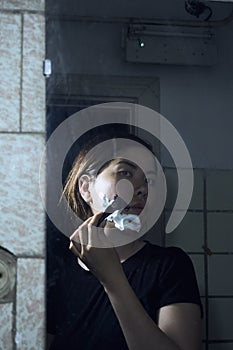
[[206, 233], [22, 138]]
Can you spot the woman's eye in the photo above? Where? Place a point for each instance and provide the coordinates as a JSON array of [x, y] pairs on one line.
[[124, 173]]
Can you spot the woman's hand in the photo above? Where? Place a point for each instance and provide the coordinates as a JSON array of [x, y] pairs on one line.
[[103, 261]]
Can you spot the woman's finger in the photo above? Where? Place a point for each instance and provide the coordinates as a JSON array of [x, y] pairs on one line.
[[83, 236], [75, 234], [88, 234], [96, 235], [74, 250], [95, 218]]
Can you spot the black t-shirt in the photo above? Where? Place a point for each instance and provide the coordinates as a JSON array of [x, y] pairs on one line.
[[80, 313]]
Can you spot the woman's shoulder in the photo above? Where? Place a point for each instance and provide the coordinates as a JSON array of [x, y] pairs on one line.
[[171, 252], [174, 275], [168, 258]]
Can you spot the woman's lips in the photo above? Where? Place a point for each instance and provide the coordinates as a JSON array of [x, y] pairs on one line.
[[133, 209]]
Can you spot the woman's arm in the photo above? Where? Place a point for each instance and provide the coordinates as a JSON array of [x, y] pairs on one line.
[[182, 322], [179, 325]]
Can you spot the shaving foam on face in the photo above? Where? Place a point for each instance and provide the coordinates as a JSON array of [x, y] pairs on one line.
[[106, 201], [121, 221], [125, 221]]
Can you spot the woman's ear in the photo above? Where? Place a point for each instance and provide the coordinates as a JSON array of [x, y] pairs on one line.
[[84, 188]]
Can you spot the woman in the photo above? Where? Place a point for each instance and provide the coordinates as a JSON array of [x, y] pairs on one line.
[[116, 290]]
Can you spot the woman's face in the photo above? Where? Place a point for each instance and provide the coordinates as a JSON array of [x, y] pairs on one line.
[[136, 185]]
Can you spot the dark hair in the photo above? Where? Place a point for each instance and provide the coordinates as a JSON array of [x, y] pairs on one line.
[[94, 163]]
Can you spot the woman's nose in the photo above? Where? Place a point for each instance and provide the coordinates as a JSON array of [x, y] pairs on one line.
[[141, 190]]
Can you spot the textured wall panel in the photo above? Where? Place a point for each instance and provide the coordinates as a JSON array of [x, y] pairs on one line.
[[10, 65], [21, 211], [30, 304], [37, 5], [6, 326], [33, 103]]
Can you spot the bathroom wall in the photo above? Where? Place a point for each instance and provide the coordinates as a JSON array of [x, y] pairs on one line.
[[22, 138], [198, 102], [206, 233]]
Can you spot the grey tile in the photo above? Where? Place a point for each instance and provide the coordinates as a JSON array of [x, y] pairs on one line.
[[220, 232], [10, 65], [220, 190], [220, 318], [172, 188], [33, 95], [30, 307], [36, 5], [6, 321], [220, 278], [22, 212], [198, 190], [189, 235]]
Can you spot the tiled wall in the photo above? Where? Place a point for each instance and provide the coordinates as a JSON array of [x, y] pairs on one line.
[[206, 233], [22, 138]]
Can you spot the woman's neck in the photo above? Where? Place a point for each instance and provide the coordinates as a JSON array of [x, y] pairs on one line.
[[126, 251]]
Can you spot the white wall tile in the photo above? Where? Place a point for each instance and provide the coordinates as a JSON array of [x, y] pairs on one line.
[[220, 232], [220, 275], [189, 235], [21, 210], [198, 263], [220, 190], [220, 318], [172, 182], [37, 5], [30, 304], [33, 102], [6, 326], [10, 70]]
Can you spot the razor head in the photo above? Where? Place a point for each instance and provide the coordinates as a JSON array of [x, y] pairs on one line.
[[116, 204]]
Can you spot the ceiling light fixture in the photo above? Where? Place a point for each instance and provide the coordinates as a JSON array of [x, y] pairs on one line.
[[169, 45]]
